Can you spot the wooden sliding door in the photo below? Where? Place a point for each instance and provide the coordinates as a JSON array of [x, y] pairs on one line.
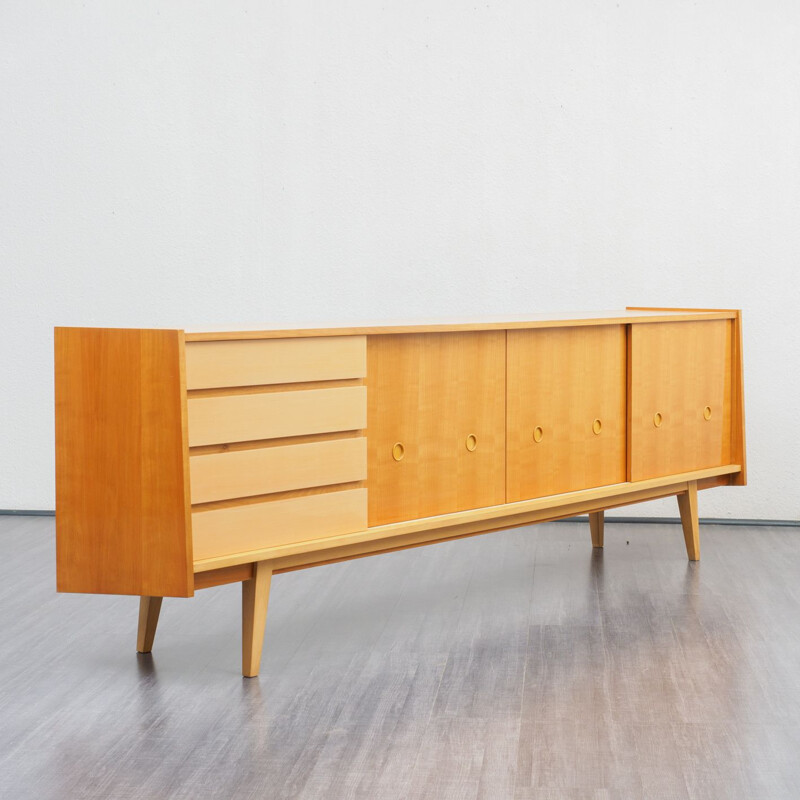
[[566, 409], [680, 397], [435, 423]]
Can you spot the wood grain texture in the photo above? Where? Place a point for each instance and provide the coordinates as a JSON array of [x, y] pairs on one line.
[[149, 610], [430, 392], [267, 361], [238, 418], [738, 448], [676, 371], [225, 391], [556, 320], [477, 520], [596, 527], [240, 529], [238, 502], [285, 441], [255, 597], [122, 518], [737, 436], [561, 380], [687, 505], [241, 473], [219, 577], [457, 530]]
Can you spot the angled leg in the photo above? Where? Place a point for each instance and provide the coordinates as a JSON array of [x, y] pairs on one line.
[[255, 596], [687, 504], [149, 609], [596, 522]]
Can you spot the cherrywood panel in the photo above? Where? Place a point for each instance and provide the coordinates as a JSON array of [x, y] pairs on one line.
[[738, 449], [122, 515], [632, 316], [430, 392], [246, 417], [268, 361], [676, 371], [565, 383], [239, 529], [243, 473]]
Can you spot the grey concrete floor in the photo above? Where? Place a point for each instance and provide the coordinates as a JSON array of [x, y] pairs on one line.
[[516, 665]]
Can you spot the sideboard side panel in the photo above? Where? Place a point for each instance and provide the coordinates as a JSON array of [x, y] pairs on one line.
[[122, 523], [738, 449]]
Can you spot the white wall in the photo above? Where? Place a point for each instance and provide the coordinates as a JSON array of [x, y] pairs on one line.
[[284, 163]]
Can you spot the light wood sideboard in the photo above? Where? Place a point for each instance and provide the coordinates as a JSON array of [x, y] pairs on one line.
[[190, 459]]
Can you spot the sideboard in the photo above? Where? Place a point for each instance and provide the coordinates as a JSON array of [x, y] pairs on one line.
[[190, 459]]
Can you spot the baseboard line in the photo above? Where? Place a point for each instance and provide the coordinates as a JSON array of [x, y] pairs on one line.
[[768, 523], [26, 512], [756, 523]]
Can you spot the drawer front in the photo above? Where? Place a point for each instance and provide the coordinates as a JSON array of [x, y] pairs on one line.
[[244, 473], [269, 361], [257, 526], [680, 397], [272, 415], [566, 410], [277, 446]]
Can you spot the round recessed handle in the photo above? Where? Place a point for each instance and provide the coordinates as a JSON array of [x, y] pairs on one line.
[[398, 451], [707, 412], [658, 419], [597, 426], [538, 433], [472, 442]]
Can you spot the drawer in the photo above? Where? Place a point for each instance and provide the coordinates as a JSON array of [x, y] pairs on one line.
[[270, 361], [244, 473], [271, 415], [257, 526]]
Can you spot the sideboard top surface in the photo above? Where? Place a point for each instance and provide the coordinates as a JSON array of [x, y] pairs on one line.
[[555, 320]]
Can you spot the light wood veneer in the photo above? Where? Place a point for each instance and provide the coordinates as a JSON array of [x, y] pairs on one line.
[[566, 410], [192, 459], [429, 393]]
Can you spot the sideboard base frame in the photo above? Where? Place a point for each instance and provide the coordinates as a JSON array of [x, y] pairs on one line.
[[255, 576]]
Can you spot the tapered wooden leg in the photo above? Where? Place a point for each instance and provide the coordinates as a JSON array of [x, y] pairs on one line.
[[149, 609], [596, 522], [687, 503], [255, 596]]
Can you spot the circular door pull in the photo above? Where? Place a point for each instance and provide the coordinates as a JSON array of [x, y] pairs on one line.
[[538, 433], [398, 451], [472, 442], [657, 419], [597, 426], [707, 412]]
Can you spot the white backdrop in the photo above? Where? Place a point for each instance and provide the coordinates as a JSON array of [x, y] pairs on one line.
[[291, 163]]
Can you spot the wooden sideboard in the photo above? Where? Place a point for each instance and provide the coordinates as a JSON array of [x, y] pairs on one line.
[[186, 460]]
